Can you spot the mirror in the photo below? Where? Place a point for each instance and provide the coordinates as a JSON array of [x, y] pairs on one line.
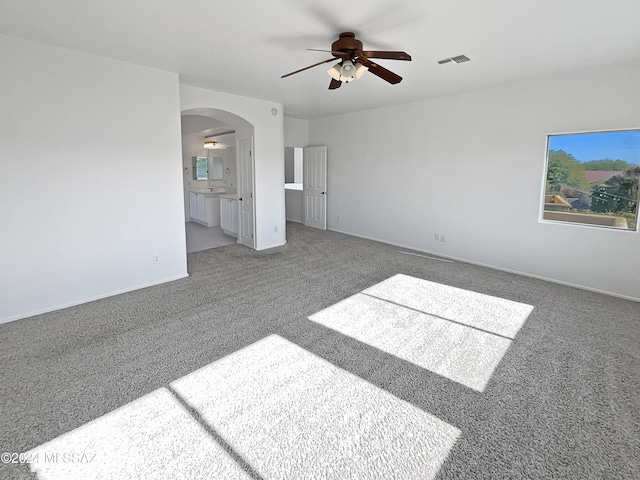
[[215, 168], [293, 164]]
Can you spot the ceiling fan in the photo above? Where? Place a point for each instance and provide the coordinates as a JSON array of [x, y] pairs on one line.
[[354, 61]]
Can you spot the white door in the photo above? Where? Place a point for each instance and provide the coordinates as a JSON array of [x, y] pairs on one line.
[[315, 187], [245, 193]]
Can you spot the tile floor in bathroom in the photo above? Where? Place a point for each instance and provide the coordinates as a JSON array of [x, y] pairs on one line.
[[200, 237]]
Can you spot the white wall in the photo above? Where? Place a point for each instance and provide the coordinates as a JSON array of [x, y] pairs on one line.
[[296, 132], [91, 183], [268, 155], [295, 205], [471, 167]]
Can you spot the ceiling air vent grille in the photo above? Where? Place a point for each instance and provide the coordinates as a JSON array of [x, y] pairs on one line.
[[461, 59], [457, 59]]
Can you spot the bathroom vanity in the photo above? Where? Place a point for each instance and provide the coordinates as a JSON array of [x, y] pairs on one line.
[[204, 207]]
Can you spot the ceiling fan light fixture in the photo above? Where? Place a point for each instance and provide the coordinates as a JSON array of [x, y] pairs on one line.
[[360, 70], [348, 69], [335, 71], [342, 74]]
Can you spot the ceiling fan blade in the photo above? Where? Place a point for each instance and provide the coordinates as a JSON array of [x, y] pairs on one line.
[[310, 66], [332, 52], [334, 84], [381, 72], [388, 55]]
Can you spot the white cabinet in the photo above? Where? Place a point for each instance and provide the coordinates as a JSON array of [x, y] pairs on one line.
[[193, 206], [201, 214], [204, 208], [229, 216]]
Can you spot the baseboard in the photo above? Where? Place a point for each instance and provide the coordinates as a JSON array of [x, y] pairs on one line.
[[267, 247], [493, 267], [87, 300]]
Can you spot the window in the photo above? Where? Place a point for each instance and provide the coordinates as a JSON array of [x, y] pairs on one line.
[[200, 168], [592, 179]]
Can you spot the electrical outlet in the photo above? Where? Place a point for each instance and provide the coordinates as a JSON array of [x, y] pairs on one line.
[[442, 237], [437, 237], [275, 229], [339, 218], [156, 258]]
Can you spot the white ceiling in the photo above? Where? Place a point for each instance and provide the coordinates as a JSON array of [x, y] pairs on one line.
[[244, 46], [203, 125]]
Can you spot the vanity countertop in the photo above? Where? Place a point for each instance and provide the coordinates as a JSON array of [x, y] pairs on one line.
[[230, 196], [206, 192]]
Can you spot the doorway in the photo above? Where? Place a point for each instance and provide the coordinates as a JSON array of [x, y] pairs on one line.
[[214, 186], [306, 185], [293, 199]]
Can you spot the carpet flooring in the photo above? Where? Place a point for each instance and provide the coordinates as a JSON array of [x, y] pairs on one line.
[[561, 400]]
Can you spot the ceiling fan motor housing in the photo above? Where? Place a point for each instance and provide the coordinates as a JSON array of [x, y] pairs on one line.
[[346, 43]]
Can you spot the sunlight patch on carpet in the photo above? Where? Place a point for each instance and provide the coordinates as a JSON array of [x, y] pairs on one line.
[[152, 437], [291, 414], [269, 410], [494, 314], [455, 333]]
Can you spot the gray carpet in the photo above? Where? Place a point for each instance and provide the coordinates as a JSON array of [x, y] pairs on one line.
[[561, 402]]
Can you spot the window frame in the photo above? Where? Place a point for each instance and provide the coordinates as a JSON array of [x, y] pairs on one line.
[[542, 210]]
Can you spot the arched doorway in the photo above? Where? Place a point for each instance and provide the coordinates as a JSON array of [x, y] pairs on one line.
[[233, 192]]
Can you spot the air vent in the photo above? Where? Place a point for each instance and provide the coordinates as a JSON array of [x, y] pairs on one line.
[[461, 59], [457, 59]]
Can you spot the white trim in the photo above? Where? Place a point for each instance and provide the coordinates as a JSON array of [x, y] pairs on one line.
[[588, 225], [426, 256], [629, 129], [87, 300], [270, 246], [516, 272]]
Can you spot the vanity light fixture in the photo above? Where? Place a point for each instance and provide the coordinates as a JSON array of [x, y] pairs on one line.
[[210, 145]]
